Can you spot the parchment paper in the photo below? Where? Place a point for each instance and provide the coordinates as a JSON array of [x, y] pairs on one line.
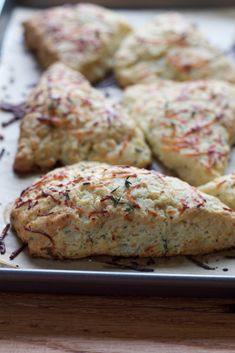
[[18, 72]]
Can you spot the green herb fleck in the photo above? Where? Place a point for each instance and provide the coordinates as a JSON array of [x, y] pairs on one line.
[[127, 183], [116, 200], [164, 240], [67, 196], [50, 106], [115, 189], [138, 150], [129, 208]]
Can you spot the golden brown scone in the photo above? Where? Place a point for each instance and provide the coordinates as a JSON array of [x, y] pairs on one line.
[[170, 47], [223, 188], [98, 209], [67, 121], [190, 126], [85, 37]]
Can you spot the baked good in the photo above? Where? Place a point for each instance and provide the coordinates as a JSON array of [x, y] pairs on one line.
[[84, 37], [170, 47], [190, 126], [223, 188], [97, 209], [66, 121]]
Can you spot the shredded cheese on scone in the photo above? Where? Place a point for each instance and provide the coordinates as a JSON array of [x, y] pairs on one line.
[[170, 47], [97, 209], [223, 188], [68, 121], [189, 126], [85, 37]]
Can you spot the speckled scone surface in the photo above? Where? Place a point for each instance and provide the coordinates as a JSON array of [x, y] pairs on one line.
[[170, 47], [67, 121], [190, 126], [92, 209], [223, 188], [85, 37]]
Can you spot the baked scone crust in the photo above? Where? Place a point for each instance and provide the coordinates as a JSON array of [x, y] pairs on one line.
[[67, 121], [85, 37], [97, 209], [170, 47], [190, 126], [223, 188]]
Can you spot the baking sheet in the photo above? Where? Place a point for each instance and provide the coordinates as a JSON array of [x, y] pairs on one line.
[[18, 73]]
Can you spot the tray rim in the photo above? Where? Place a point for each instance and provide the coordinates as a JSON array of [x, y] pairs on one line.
[[101, 282], [115, 283]]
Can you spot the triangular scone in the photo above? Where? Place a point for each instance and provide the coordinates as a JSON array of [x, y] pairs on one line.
[[189, 126], [98, 209], [223, 188], [67, 121], [170, 47], [85, 37]]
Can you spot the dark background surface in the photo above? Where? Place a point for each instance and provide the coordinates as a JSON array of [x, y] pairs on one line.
[[137, 3]]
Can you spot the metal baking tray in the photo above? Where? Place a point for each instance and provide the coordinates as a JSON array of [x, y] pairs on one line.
[[185, 277]]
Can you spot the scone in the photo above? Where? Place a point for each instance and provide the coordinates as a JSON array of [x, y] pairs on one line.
[[67, 121], [223, 188], [85, 37], [98, 209], [190, 126], [170, 47]]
